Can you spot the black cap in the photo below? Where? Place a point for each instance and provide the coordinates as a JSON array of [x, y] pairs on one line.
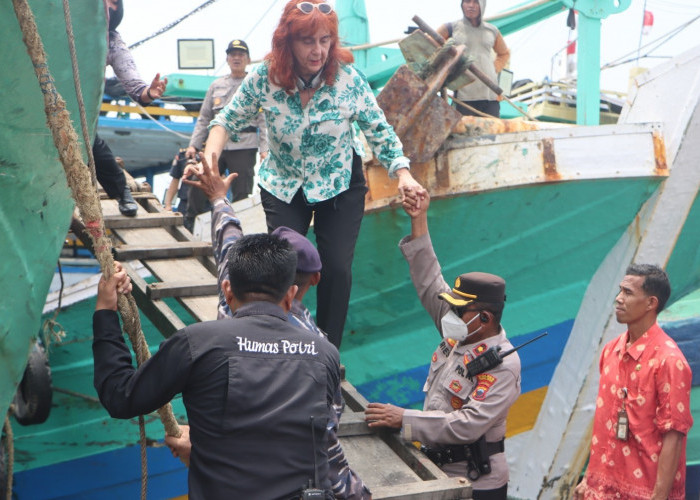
[[237, 45], [476, 287]]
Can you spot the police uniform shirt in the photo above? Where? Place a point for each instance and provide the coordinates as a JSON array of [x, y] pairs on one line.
[[458, 410]]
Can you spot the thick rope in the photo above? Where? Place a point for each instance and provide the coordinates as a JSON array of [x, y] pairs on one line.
[[79, 90], [10, 440], [93, 174], [144, 460], [78, 177]]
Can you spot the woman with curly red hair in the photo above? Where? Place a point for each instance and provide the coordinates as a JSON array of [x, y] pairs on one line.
[[311, 96]]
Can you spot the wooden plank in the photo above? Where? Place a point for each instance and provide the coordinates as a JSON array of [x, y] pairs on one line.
[[374, 461], [391, 478], [143, 220], [163, 250], [182, 289], [152, 110], [450, 488], [357, 403], [353, 424], [353, 399], [179, 233], [138, 195]]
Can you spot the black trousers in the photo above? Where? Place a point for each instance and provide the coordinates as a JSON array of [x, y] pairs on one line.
[[492, 108], [242, 162], [497, 494], [109, 173], [336, 226]]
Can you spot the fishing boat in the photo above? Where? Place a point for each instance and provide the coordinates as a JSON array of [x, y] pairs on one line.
[[557, 211], [36, 205]]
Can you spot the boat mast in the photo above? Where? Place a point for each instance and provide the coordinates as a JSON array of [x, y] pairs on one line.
[[354, 27], [588, 64]]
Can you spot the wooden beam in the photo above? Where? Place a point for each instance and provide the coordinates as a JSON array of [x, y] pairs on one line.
[[138, 195], [182, 289], [164, 251], [143, 220], [151, 110], [353, 399], [160, 314], [451, 488], [353, 424]]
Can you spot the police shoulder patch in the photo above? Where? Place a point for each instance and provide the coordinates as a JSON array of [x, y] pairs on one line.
[[479, 349], [455, 385], [456, 402], [484, 381]]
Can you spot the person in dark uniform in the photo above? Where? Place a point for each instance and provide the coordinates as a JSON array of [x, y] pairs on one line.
[[254, 434], [108, 172]]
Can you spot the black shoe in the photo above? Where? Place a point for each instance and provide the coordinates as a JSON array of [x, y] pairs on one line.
[[127, 205]]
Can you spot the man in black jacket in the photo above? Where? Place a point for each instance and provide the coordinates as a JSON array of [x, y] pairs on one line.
[[253, 386]]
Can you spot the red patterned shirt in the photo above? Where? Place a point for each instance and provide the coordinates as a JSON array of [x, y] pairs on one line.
[[653, 379]]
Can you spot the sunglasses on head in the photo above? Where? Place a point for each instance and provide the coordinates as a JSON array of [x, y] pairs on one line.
[[308, 7]]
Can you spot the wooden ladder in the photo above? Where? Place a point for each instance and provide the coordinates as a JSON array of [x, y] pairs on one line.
[[185, 269]]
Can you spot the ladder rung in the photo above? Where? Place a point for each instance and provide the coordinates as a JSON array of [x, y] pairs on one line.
[[182, 289], [164, 251], [138, 195], [143, 220]]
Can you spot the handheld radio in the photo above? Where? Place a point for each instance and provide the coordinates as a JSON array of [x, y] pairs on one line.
[[312, 492], [492, 357]]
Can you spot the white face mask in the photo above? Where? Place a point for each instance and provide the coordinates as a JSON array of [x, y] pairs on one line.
[[454, 328]]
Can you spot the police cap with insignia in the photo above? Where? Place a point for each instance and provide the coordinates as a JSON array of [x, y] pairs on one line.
[[476, 287], [237, 45]]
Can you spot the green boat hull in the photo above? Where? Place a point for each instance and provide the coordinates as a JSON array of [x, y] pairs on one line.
[[547, 240], [36, 204]]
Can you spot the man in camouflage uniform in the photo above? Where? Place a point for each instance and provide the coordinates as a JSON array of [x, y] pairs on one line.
[[226, 230], [463, 422]]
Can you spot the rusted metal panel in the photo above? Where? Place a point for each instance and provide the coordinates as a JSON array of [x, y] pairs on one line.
[[660, 153], [501, 161], [421, 118], [549, 160], [474, 126]]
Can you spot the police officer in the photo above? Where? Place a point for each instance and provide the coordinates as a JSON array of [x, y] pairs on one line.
[[463, 422], [238, 156], [251, 430]]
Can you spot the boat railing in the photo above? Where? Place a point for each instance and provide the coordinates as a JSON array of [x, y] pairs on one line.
[[556, 101]]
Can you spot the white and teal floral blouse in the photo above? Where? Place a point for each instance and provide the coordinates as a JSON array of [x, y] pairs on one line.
[[312, 147]]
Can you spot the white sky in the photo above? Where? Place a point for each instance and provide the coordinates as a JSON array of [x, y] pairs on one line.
[[531, 49]]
